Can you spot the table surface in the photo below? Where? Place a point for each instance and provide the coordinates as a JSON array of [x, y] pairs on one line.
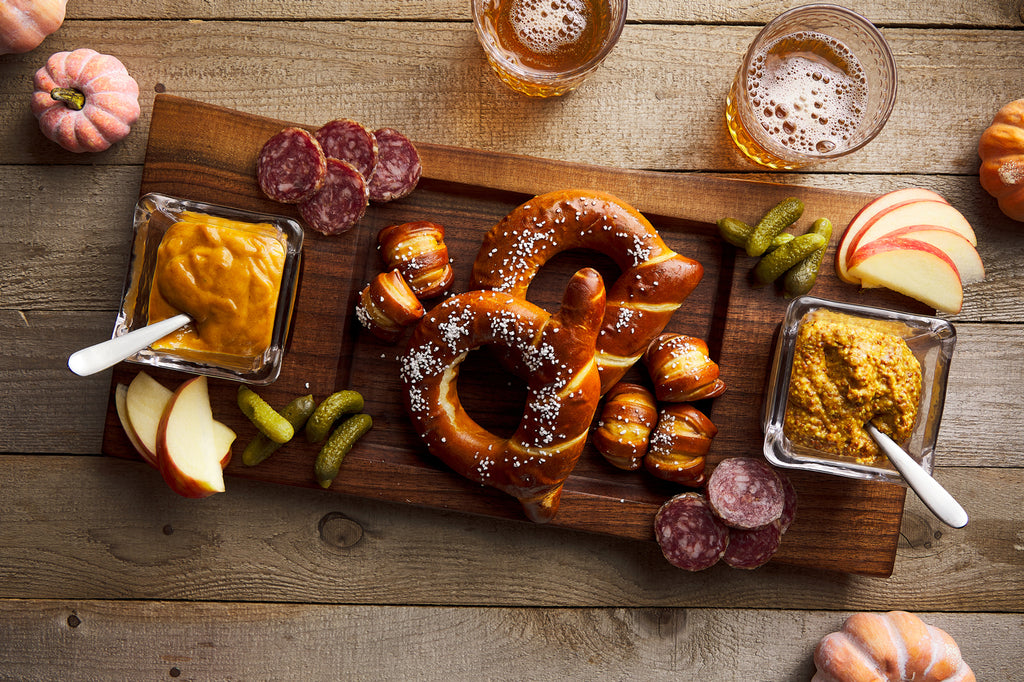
[[104, 572]]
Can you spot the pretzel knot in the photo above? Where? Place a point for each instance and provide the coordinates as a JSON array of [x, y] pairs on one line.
[[654, 281], [556, 355]]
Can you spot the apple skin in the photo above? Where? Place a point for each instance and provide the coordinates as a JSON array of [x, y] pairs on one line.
[[916, 269], [187, 454], [963, 254], [121, 403]]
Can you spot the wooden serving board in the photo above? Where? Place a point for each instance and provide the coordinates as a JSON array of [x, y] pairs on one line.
[[207, 153]]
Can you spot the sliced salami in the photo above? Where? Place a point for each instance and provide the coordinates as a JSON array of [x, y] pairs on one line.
[[745, 493], [340, 203], [349, 141], [398, 166], [690, 535], [789, 506], [752, 548], [291, 167]]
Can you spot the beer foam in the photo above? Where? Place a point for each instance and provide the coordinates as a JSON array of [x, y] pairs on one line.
[[547, 26]]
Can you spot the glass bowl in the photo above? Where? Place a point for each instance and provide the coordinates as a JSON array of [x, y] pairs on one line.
[[929, 338], [154, 214]]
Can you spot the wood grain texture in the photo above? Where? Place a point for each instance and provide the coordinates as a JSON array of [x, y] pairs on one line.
[[155, 640], [111, 529]]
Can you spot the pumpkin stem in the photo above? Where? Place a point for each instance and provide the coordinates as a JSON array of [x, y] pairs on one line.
[[72, 99]]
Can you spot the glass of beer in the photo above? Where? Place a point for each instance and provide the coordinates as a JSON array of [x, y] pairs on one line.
[[545, 48], [818, 82]]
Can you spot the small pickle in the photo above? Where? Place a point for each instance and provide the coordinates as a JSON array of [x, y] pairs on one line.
[[261, 447], [780, 239], [781, 216], [267, 420], [338, 445], [801, 277], [769, 268], [736, 232], [327, 412]]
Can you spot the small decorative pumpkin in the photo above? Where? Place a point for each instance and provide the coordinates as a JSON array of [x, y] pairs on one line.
[[85, 101], [1002, 159], [25, 23]]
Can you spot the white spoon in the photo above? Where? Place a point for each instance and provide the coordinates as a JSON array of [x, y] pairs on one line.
[[108, 353], [934, 496]]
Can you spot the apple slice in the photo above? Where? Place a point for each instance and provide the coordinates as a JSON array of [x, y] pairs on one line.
[[187, 454], [223, 437], [145, 402], [872, 209], [916, 269], [964, 256], [121, 403]]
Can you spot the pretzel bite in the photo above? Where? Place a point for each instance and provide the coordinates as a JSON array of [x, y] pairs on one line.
[[681, 369], [679, 444], [654, 281], [387, 305], [418, 251], [624, 429], [563, 387]]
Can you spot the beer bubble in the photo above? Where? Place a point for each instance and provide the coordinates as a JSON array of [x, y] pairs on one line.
[[547, 32], [825, 146]]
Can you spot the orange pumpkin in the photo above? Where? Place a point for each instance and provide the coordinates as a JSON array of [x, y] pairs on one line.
[[24, 23], [85, 101], [1002, 159]]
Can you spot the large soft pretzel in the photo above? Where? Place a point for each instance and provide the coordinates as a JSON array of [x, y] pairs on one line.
[[654, 281], [556, 353]]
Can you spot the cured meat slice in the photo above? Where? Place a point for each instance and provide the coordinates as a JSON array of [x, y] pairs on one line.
[[291, 167], [745, 493], [690, 535], [340, 203], [349, 141], [398, 166], [789, 506], [752, 548]]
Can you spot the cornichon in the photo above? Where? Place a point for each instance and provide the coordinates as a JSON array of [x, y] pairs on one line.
[[267, 420], [801, 277], [328, 462], [786, 256], [261, 447], [736, 232], [781, 216], [780, 239], [328, 411]]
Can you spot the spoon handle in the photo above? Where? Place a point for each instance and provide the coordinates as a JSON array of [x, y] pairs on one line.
[[931, 492], [108, 353]]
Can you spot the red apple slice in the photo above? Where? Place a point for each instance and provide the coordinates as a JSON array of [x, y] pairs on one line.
[[187, 453], [872, 209], [223, 437], [121, 403], [964, 256], [145, 402], [915, 269]]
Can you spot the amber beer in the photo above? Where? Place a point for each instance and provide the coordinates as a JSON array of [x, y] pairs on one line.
[[547, 47]]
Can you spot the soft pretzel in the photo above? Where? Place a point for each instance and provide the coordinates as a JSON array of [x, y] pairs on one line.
[[562, 381], [679, 444], [654, 281], [387, 306], [624, 428], [681, 369], [418, 251]]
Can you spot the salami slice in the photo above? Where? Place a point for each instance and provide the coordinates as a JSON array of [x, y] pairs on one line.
[[752, 548], [789, 506], [349, 141], [340, 203], [690, 536], [291, 166], [745, 493], [398, 166]]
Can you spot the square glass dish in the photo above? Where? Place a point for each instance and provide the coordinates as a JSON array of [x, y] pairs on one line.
[[929, 338], [154, 215]]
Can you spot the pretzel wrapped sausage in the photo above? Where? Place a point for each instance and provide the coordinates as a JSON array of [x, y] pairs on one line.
[[387, 305], [654, 281], [623, 431], [679, 444], [562, 381], [681, 369], [418, 251]]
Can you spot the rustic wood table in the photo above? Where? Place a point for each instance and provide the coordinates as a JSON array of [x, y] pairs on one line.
[[105, 573]]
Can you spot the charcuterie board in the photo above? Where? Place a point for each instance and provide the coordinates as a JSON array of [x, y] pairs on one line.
[[207, 153]]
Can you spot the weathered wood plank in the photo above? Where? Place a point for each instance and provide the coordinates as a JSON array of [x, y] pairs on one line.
[[154, 640], [656, 103], [99, 528]]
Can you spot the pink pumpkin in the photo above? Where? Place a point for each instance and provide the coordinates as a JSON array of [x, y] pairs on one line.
[[85, 101], [24, 23]]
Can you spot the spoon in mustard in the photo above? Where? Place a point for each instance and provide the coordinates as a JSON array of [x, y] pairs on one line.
[[931, 492], [108, 353]]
